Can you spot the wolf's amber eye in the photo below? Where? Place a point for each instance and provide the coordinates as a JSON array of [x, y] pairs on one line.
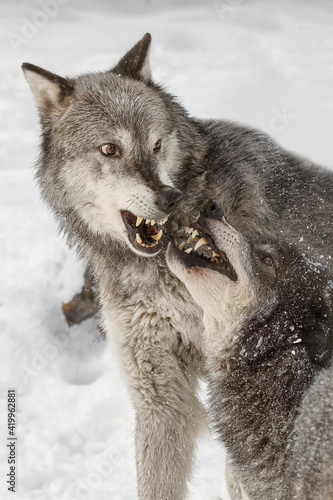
[[268, 261], [157, 146], [109, 150]]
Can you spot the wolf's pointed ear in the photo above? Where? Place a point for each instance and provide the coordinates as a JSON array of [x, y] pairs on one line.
[[49, 90], [135, 63]]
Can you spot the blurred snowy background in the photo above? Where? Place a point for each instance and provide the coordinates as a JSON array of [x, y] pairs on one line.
[[268, 64]]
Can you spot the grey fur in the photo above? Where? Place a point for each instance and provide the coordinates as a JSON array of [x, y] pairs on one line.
[[311, 477], [263, 188], [268, 344]]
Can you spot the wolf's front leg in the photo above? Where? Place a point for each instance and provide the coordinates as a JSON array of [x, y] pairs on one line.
[[164, 452], [168, 419]]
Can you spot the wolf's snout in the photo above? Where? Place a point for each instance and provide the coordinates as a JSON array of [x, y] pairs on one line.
[[212, 210], [168, 198]]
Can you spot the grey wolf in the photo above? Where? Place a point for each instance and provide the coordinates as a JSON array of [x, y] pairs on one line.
[[124, 168], [268, 344]]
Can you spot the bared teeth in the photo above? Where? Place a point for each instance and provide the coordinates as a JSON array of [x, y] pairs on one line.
[[152, 222], [138, 239], [209, 252], [157, 236], [201, 242], [138, 221]]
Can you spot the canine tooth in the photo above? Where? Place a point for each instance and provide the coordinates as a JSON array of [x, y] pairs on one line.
[[138, 221], [188, 250], [224, 257], [158, 236], [201, 242], [181, 246], [138, 239]]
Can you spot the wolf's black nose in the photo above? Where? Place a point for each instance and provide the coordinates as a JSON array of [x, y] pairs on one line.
[[168, 198], [212, 210]]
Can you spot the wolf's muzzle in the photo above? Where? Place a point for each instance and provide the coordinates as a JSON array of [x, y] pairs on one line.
[[168, 198]]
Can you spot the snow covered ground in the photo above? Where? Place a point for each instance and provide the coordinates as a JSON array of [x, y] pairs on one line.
[[267, 64]]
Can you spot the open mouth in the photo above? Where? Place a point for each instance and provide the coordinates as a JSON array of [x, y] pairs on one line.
[[199, 250], [144, 234]]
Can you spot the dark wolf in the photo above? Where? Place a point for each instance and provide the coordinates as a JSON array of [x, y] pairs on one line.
[[124, 168], [268, 344]]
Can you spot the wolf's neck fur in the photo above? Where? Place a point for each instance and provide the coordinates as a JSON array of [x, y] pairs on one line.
[[255, 394], [127, 281]]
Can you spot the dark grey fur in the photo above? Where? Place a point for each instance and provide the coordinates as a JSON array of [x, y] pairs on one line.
[[268, 345], [279, 442], [312, 471], [262, 187]]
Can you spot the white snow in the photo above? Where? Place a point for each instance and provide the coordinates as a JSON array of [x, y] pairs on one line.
[[266, 64]]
